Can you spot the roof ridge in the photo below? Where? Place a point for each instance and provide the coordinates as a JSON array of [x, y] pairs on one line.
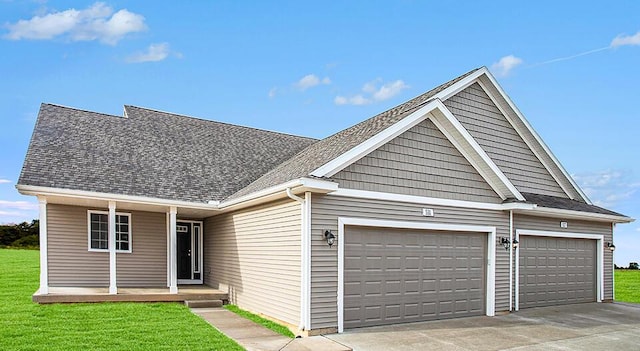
[[79, 109], [217, 122]]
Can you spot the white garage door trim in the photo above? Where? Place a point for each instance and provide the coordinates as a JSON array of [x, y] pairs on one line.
[[365, 222], [599, 257]]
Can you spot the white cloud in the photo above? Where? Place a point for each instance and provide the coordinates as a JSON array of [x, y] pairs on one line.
[[311, 80], [17, 211], [17, 205], [372, 93], [273, 92], [505, 65], [354, 100], [387, 91], [607, 188], [97, 22], [624, 40], [154, 53], [4, 181]]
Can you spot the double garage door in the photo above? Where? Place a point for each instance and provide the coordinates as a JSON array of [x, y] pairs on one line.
[[556, 271], [405, 275]]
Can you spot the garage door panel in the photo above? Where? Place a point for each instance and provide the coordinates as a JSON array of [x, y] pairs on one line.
[[416, 276], [556, 271]]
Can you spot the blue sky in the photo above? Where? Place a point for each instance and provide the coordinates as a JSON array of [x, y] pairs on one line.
[[314, 68]]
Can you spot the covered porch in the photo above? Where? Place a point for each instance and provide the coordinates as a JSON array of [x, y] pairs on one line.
[[184, 293], [147, 251]]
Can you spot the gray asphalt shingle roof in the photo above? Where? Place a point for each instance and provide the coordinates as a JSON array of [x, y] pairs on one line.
[[150, 153], [566, 204], [169, 156]]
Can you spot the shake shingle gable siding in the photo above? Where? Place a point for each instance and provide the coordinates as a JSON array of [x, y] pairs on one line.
[[150, 153]]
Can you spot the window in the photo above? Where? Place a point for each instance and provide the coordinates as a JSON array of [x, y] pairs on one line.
[[99, 231]]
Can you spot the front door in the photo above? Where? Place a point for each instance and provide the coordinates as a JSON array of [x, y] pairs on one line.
[[189, 235]]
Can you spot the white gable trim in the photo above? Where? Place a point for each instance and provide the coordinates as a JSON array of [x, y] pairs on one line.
[[472, 151], [444, 120], [526, 140], [535, 135], [339, 163]]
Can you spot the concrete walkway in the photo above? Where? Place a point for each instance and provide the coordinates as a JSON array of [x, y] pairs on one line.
[[254, 337]]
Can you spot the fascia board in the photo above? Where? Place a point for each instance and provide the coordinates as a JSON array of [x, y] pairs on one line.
[[339, 163], [571, 214], [300, 185], [49, 191]]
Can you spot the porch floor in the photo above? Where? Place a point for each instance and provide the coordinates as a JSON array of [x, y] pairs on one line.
[[185, 292]]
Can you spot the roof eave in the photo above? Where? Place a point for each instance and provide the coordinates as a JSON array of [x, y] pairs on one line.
[[82, 194], [297, 186], [572, 214]]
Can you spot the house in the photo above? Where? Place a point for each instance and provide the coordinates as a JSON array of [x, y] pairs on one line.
[[445, 206]]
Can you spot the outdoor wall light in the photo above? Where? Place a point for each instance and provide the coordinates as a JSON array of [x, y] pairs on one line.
[[515, 243], [505, 242], [329, 237], [611, 246]]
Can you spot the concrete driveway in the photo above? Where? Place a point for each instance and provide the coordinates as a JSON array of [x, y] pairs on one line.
[[592, 326]]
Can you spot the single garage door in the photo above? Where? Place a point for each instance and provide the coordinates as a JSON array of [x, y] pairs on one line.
[[556, 271], [405, 275]]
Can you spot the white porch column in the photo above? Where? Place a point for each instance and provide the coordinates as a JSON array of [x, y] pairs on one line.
[[44, 270], [173, 287], [168, 221], [113, 288]]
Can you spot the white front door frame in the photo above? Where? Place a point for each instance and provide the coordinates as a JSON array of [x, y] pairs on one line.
[[194, 234], [599, 257], [366, 222]]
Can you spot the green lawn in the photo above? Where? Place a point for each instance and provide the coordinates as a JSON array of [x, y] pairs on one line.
[[627, 285], [25, 325]]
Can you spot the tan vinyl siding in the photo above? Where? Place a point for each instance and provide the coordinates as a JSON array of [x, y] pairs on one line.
[[422, 162], [256, 253], [574, 226], [324, 260], [497, 137], [534, 144], [71, 264], [146, 265]]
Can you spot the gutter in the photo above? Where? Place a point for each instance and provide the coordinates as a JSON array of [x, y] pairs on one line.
[[571, 214], [47, 191]]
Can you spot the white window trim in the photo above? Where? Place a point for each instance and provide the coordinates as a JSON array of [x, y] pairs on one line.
[[599, 258], [490, 262], [89, 213]]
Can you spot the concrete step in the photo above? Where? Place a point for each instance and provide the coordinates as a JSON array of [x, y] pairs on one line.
[[203, 303]]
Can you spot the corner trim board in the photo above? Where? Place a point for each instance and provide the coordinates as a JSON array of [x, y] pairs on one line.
[[490, 263], [44, 254]]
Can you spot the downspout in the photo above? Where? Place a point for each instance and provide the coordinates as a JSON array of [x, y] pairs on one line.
[[303, 258], [511, 260]]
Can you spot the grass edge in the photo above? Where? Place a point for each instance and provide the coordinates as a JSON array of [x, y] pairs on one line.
[[269, 324]]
